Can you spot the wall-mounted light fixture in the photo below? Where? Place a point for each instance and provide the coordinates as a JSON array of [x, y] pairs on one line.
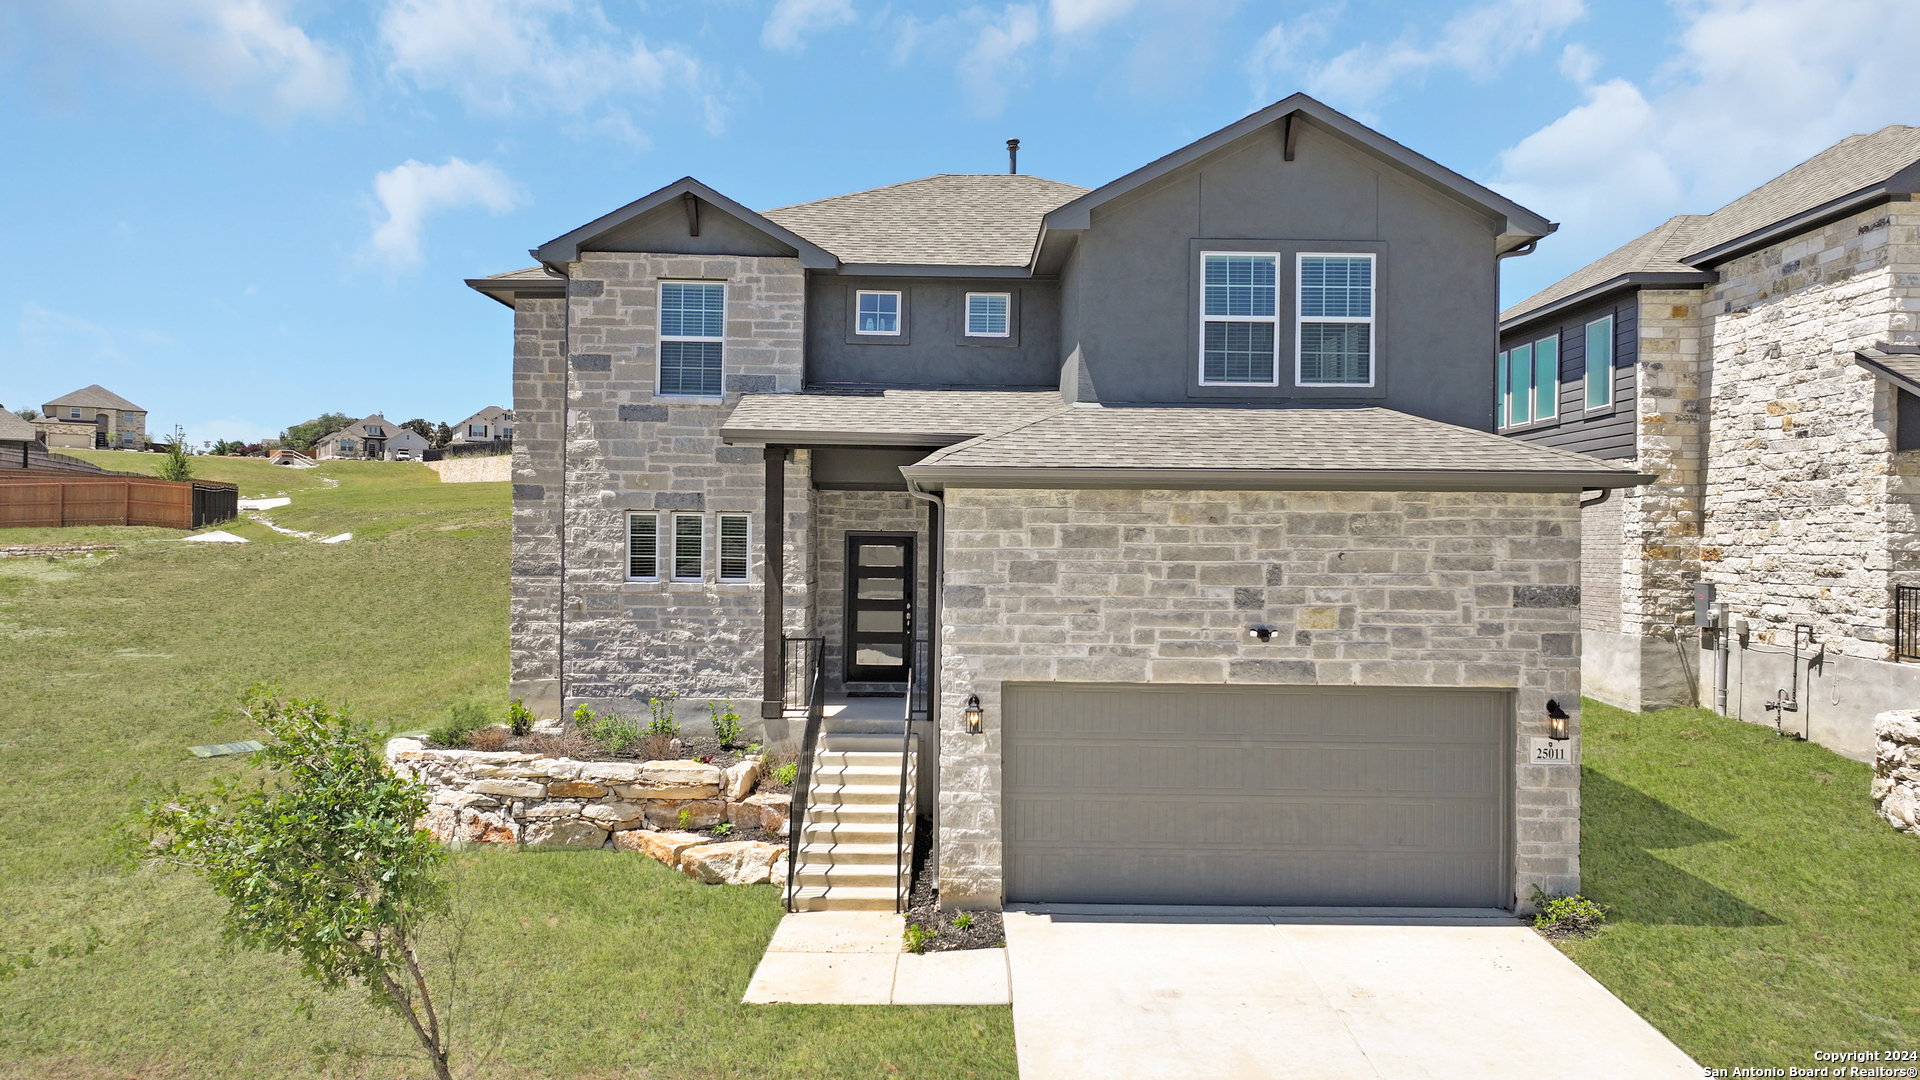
[[1556, 720], [975, 714], [1261, 631]]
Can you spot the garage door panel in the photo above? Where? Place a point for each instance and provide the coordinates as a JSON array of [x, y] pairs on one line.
[[1255, 795]]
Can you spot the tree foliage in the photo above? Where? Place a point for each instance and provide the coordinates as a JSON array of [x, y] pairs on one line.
[[321, 860], [422, 428], [30, 414], [442, 435], [301, 437], [176, 466]]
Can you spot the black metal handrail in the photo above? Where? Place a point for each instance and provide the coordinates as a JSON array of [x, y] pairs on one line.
[[816, 699], [800, 658], [919, 680], [916, 693], [1906, 622]]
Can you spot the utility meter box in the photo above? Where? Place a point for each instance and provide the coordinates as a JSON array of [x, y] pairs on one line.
[[1703, 603]]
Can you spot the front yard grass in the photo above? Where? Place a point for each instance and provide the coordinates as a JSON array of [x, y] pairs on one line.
[[583, 964], [1760, 910]]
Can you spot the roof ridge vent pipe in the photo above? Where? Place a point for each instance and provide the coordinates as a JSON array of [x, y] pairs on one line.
[[1013, 157]]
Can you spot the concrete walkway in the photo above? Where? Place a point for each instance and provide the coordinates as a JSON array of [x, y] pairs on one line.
[[1172, 994], [855, 958]]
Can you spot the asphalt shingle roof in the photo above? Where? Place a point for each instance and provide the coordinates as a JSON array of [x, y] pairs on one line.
[[953, 219], [1266, 440], [1853, 163], [95, 397], [903, 417], [14, 429]]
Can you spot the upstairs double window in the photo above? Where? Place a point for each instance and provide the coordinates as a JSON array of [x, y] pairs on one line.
[[693, 326], [1333, 331], [1528, 378]]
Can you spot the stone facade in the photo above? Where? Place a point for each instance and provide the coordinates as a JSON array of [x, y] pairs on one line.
[[1896, 769], [1362, 588]]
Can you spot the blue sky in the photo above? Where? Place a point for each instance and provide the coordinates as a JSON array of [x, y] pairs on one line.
[[242, 213]]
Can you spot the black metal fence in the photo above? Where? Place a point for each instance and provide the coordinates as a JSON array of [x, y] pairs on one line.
[[214, 502], [920, 680], [800, 657], [804, 665], [1906, 622]]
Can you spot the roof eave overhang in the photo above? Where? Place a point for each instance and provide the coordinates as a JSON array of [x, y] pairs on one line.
[[803, 437], [1519, 225], [1787, 227], [561, 250], [931, 270], [938, 477], [1872, 361], [506, 292], [1591, 293]]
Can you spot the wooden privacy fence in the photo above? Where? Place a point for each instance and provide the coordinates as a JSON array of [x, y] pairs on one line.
[[32, 498]]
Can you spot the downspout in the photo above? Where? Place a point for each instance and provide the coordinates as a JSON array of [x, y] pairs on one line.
[[936, 571], [566, 431]]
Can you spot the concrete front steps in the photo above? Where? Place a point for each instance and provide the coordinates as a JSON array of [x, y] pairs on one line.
[[848, 858]]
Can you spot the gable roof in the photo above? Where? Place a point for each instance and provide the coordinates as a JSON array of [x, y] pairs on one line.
[[566, 248], [953, 219], [886, 418], [1652, 258], [357, 429], [1521, 224], [14, 429], [1259, 448], [95, 397], [1857, 172]]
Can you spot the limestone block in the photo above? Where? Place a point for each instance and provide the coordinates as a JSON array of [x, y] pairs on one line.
[[742, 862], [663, 847], [405, 749], [571, 833], [700, 813], [768, 810], [478, 826], [440, 822], [576, 789], [740, 778], [532, 770], [512, 789], [459, 799], [554, 810], [614, 814], [609, 770]]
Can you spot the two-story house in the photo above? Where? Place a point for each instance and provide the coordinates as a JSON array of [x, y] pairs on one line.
[[93, 418], [374, 439], [492, 424], [1760, 362], [1179, 498]]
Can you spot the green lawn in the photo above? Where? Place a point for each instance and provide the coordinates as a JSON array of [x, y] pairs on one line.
[[1760, 909], [588, 964]]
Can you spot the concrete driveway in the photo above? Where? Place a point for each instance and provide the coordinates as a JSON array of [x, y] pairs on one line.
[[1168, 994]]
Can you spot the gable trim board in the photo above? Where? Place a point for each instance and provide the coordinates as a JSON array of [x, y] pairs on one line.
[[556, 253]]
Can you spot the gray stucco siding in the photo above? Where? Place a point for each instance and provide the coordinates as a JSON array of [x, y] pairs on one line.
[[1607, 433], [933, 349], [1130, 292], [663, 230]]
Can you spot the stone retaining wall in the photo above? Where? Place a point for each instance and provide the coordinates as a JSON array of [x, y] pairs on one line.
[[473, 470], [1896, 769], [519, 798]]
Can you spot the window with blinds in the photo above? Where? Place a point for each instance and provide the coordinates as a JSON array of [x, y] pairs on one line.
[[689, 547], [733, 547], [643, 547], [693, 326], [1238, 320], [1335, 331]]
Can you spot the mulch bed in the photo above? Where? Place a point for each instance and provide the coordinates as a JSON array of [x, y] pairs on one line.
[[985, 930]]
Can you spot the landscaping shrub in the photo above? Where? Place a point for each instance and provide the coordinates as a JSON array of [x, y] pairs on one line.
[[726, 723], [463, 719], [519, 717], [663, 722], [490, 738], [617, 733], [1566, 916], [176, 467], [786, 774]]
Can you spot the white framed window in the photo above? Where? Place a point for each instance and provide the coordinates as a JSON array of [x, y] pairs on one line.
[[475, 430], [643, 546], [73, 414], [1239, 321], [734, 537], [1529, 380], [987, 314], [1600, 363], [1333, 336], [876, 313], [689, 547], [693, 326]]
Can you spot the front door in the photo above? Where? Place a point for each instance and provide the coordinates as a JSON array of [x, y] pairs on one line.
[[879, 608]]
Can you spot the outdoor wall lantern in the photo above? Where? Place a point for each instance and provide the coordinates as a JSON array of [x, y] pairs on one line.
[[975, 714], [1556, 720], [1261, 631]]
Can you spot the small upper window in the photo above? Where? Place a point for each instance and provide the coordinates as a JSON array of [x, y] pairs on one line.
[[1600, 363], [877, 313], [693, 327], [1336, 320], [987, 314], [377, 431], [73, 414], [1237, 324], [733, 547]]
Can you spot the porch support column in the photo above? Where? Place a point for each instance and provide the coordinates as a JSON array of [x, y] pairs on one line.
[[773, 694]]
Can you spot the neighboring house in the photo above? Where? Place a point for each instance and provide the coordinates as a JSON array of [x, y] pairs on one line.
[[18, 440], [92, 419], [1760, 361], [1185, 486], [492, 424], [374, 439]]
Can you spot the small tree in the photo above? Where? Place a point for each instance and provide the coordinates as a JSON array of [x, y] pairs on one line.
[[323, 861], [176, 466], [301, 437], [34, 414], [422, 428], [442, 435]]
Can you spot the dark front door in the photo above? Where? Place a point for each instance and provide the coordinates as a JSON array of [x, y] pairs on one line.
[[879, 608]]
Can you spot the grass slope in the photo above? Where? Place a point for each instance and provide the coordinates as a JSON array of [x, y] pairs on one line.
[[582, 963], [1760, 910]]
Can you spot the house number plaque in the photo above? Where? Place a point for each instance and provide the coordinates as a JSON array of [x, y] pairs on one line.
[[1549, 751]]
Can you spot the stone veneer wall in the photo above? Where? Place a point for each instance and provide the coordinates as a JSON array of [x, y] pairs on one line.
[[1896, 769], [841, 512], [1601, 561], [627, 449], [1367, 588], [1809, 509], [1661, 521]]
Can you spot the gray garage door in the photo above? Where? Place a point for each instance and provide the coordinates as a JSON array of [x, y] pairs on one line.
[[1256, 795]]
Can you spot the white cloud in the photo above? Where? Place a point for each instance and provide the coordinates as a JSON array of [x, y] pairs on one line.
[[248, 54], [786, 28], [1073, 16], [1578, 63], [412, 191], [1755, 87], [501, 56], [988, 70], [1479, 42]]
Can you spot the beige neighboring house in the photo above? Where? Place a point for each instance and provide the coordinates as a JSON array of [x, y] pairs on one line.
[[374, 439], [17, 439], [492, 424], [95, 418]]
